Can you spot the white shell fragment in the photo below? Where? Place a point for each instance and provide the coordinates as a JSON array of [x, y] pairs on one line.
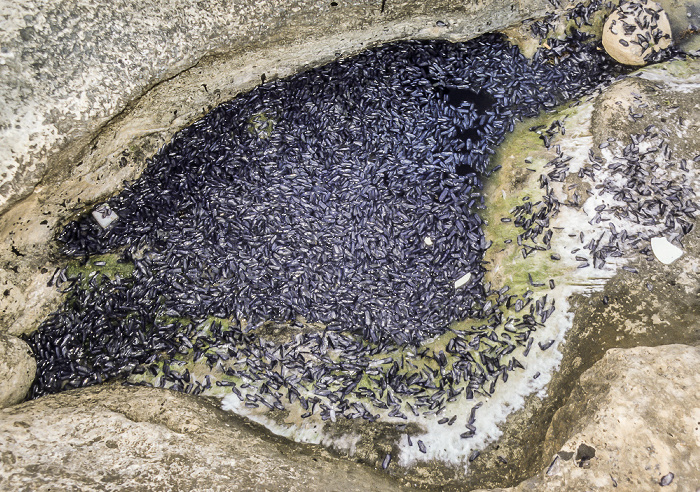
[[104, 215], [664, 251], [463, 280], [428, 241]]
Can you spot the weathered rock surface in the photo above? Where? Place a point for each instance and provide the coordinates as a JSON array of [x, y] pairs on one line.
[[684, 16], [119, 438], [76, 173], [17, 370], [635, 31], [657, 306], [66, 69], [633, 418]]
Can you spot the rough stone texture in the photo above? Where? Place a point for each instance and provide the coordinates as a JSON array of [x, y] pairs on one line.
[[110, 144], [17, 370], [626, 48], [89, 91], [639, 410], [118, 438], [69, 67]]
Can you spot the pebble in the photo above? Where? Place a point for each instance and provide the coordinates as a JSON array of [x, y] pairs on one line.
[[636, 32], [664, 251], [104, 215], [666, 479]]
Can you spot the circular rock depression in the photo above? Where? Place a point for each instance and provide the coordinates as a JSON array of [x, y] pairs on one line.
[[344, 196]]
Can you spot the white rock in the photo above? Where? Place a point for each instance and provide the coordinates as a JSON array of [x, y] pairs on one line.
[[104, 215], [428, 241], [664, 251]]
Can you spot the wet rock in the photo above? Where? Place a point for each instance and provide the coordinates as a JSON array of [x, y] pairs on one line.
[[17, 370], [109, 437], [626, 313], [636, 31], [632, 421], [684, 16]]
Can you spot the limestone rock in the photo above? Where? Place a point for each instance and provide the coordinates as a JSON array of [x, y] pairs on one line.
[[17, 370], [134, 438], [66, 70], [633, 419], [635, 31]]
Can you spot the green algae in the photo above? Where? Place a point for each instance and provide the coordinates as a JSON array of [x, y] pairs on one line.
[[261, 125], [95, 266]]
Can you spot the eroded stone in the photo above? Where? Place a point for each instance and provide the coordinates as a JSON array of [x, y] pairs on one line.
[[640, 411], [109, 437], [17, 370]]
